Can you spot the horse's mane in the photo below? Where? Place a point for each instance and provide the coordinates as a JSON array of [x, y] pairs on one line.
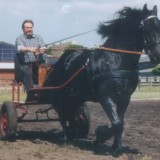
[[127, 18]]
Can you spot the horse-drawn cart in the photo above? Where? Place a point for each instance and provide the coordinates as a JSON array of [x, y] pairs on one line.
[[15, 111], [105, 75]]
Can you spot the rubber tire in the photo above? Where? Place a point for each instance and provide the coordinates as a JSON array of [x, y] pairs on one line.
[[8, 120], [81, 123]]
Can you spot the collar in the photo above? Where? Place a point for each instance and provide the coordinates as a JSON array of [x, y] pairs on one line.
[[29, 37]]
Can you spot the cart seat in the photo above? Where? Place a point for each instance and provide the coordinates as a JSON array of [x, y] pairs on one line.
[[45, 68]]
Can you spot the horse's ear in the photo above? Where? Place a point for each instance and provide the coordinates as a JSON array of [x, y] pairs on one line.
[[155, 10], [145, 9]]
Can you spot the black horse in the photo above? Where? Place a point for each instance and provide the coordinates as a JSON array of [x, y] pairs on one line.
[[105, 76]]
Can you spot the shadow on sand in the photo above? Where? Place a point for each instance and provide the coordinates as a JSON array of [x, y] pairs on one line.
[[57, 137]]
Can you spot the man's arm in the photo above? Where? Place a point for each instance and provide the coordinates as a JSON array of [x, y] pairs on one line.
[[23, 49]]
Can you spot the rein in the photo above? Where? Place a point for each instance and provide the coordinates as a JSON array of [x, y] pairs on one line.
[[84, 66], [121, 73], [109, 49], [120, 50]]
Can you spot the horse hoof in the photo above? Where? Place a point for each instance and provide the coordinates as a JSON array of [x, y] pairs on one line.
[[103, 133], [95, 143], [116, 150]]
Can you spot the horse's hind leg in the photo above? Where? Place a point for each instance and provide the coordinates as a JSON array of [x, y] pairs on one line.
[[111, 110], [62, 119]]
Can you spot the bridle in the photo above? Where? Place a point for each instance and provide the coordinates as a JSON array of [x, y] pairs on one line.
[[147, 44], [149, 17]]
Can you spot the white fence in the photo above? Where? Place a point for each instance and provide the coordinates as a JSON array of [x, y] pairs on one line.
[[150, 81]]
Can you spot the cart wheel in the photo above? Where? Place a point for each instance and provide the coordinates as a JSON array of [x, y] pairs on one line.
[[79, 127], [8, 120]]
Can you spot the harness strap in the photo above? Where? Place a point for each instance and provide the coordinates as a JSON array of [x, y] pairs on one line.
[[64, 84], [152, 16], [119, 74]]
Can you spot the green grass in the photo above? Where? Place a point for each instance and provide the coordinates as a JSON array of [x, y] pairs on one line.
[[142, 92], [147, 92], [7, 96]]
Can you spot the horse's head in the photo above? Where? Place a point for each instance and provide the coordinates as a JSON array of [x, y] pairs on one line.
[[151, 29]]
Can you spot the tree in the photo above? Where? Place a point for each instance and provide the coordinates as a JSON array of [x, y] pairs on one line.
[[58, 50], [156, 70], [74, 46]]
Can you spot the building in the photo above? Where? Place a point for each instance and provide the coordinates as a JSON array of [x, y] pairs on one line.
[[7, 54]]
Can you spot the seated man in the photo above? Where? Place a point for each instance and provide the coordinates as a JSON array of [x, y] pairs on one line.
[[32, 47]]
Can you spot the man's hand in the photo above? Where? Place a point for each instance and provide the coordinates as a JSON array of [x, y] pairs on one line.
[[42, 50], [32, 49]]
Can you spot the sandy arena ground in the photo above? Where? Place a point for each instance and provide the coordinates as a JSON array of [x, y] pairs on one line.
[[43, 141]]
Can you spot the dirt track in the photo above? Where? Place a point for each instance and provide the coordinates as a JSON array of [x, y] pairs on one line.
[[140, 141]]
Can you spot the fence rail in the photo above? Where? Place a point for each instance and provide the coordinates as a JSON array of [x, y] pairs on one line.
[[150, 81]]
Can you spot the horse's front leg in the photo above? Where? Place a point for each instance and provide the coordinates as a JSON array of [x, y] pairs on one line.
[[110, 108], [122, 105]]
